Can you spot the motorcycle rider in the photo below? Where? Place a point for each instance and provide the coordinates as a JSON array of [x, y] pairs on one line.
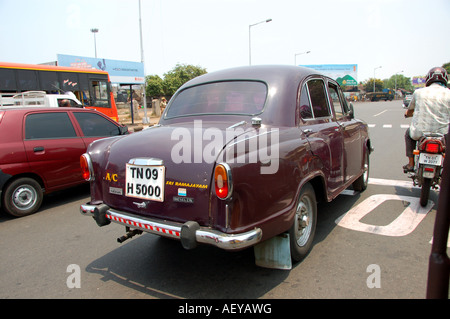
[[430, 109]]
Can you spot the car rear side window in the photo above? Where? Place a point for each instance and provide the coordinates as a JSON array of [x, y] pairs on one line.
[[48, 126], [94, 125], [229, 97], [318, 98], [305, 106]]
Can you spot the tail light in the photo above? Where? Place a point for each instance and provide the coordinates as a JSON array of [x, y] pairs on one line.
[[86, 167], [222, 181], [432, 146]]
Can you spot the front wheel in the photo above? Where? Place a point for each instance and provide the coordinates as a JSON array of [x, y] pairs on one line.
[[22, 197], [425, 192], [303, 228]]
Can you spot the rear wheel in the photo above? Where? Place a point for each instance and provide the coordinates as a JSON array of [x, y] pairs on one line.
[[22, 197], [361, 183], [425, 192], [303, 228]]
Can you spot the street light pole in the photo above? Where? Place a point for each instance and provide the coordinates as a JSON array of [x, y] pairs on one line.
[[94, 31], [145, 120], [250, 40], [374, 77], [295, 56]]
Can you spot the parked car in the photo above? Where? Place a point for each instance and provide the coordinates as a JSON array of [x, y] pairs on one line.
[[239, 157], [40, 151]]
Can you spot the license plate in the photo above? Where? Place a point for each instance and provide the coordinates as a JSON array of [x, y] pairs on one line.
[[430, 159], [145, 182]]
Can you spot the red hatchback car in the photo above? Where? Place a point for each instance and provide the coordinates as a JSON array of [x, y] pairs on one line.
[[40, 152]]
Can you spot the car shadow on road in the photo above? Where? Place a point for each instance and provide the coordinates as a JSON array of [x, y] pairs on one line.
[[161, 268]]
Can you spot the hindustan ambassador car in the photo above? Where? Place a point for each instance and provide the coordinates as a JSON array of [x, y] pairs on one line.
[[239, 158]]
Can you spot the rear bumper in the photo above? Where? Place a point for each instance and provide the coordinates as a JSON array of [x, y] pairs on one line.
[[190, 233]]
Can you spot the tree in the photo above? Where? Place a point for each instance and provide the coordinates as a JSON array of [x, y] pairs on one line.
[[154, 86], [368, 86], [402, 82], [179, 75], [173, 80], [447, 66]]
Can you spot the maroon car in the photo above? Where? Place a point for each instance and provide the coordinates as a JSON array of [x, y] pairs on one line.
[[40, 151], [239, 157]]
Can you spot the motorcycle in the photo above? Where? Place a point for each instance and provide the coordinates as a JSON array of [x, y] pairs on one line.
[[429, 158]]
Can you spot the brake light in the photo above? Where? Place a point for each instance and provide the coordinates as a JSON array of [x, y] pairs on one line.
[[86, 167], [222, 181], [432, 148]]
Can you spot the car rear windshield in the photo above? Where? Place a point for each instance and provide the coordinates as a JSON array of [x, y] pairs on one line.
[[231, 97]]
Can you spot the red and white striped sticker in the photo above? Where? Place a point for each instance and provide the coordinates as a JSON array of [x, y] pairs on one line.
[[143, 225]]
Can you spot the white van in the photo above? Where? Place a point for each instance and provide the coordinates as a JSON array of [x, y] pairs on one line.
[[39, 99]]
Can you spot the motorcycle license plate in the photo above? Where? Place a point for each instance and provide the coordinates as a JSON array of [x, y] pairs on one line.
[[430, 159]]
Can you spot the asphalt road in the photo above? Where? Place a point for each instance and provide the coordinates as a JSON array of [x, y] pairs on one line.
[[57, 253]]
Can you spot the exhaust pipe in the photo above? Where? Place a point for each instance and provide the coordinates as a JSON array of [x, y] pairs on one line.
[[128, 235]]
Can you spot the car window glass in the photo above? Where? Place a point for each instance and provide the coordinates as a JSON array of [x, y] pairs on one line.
[[334, 95], [230, 97], [318, 99], [305, 106], [49, 126], [94, 125]]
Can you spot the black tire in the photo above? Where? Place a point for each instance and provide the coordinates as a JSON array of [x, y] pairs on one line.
[[361, 183], [22, 197], [425, 192], [303, 228]]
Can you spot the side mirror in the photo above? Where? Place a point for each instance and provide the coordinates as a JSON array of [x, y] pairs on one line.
[[351, 112], [123, 130]]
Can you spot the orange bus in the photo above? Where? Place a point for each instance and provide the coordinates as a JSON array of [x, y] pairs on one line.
[[91, 86]]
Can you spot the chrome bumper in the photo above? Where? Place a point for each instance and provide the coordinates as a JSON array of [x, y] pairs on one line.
[[190, 233]]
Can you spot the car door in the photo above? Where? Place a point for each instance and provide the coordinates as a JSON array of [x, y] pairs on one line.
[[95, 126], [322, 131], [352, 151], [53, 148]]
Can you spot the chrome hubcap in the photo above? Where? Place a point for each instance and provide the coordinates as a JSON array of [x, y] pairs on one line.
[[303, 218], [24, 197]]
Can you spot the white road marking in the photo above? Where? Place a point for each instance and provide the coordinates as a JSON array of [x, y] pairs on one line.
[[380, 113], [391, 182], [403, 126], [403, 225], [399, 227]]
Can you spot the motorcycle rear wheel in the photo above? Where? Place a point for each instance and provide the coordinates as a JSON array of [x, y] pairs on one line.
[[425, 192]]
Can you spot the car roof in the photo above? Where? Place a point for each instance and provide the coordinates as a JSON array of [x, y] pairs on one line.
[[265, 73], [25, 109], [282, 81]]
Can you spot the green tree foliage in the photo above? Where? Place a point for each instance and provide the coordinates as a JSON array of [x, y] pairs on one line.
[[154, 86], [173, 80], [447, 66], [368, 85], [402, 82]]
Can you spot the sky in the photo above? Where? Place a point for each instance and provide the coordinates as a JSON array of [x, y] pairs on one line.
[[402, 36]]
